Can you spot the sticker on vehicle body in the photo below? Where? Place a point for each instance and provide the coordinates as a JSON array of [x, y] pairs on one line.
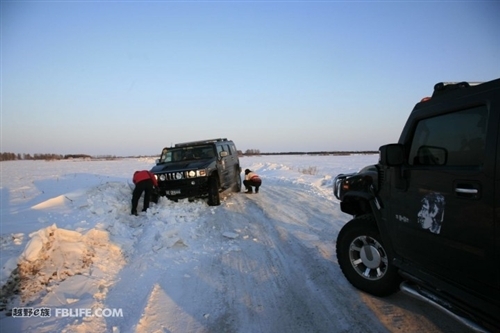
[[402, 218], [431, 214]]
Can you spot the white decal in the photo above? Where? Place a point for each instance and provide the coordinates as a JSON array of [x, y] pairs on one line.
[[431, 215]]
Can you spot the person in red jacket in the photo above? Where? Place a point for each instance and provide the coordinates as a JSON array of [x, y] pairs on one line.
[[145, 182]]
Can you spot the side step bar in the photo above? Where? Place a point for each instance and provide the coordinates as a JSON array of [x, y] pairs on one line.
[[432, 299]]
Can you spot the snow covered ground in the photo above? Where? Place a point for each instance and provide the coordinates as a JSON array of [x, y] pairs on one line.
[[74, 260]]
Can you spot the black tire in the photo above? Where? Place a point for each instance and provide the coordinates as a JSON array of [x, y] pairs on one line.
[[213, 192], [364, 260], [154, 197], [237, 180]]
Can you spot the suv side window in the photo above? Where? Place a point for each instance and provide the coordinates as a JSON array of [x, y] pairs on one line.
[[224, 148], [233, 149], [453, 139], [219, 149], [166, 156]]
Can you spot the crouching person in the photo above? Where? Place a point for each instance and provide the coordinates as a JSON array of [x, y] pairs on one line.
[[145, 182], [252, 179]]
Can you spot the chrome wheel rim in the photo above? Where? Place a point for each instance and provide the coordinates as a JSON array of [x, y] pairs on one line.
[[368, 258]]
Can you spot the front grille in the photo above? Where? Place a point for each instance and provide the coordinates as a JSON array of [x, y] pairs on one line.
[[176, 175], [181, 175]]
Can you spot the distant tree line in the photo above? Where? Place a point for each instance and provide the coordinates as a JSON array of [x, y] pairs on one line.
[[47, 157], [8, 157], [250, 152], [325, 153], [66, 157]]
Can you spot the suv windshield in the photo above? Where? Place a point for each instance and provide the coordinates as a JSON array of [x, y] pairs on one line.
[[187, 154]]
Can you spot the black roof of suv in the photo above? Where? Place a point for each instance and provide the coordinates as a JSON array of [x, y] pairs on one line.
[[198, 169], [428, 214]]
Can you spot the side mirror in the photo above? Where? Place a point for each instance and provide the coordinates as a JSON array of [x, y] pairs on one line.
[[392, 154], [223, 154], [157, 161]]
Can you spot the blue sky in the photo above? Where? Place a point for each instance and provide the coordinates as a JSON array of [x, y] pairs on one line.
[[128, 78]]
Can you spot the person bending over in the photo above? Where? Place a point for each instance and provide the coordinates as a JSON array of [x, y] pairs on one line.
[[145, 182]]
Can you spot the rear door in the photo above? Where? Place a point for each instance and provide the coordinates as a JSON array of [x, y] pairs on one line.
[[446, 218]]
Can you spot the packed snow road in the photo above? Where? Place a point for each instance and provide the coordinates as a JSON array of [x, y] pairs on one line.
[[257, 263]]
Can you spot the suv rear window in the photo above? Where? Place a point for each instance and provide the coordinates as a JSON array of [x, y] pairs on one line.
[[453, 139]]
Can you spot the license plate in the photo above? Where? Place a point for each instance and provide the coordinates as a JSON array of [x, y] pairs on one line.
[[173, 192]]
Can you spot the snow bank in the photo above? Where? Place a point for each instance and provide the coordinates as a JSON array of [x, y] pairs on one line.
[[61, 267]]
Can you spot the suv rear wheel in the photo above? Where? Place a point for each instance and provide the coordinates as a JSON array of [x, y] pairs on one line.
[[363, 258]]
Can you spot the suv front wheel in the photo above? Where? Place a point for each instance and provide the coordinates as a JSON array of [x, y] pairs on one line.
[[363, 258], [213, 191], [237, 180]]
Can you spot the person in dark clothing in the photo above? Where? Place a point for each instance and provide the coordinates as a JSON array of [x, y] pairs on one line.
[[145, 182], [252, 179]]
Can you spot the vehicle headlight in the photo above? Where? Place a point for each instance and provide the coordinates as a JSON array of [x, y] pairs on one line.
[[196, 173], [162, 177], [341, 184]]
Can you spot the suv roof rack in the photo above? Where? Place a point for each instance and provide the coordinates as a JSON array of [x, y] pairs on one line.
[[194, 143], [442, 87]]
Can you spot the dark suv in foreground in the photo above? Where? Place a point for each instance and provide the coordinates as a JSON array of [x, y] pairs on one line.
[[198, 169], [427, 216]]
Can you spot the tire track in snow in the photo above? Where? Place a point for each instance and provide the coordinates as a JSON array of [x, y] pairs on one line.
[[299, 244]]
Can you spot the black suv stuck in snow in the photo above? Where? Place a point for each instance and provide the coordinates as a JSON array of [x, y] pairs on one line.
[[427, 216], [198, 169]]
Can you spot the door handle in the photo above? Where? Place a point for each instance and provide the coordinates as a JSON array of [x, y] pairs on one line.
[[466, 190], [471, 190]]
